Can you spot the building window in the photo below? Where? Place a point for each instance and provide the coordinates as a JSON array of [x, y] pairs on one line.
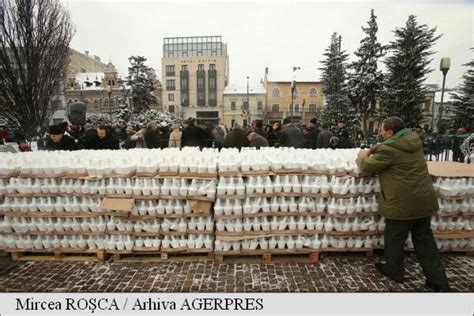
[[275, 108], [170, 70], [212, 83], [184, 84], [214, 53], [200, 83], [312, 108], [295, 92], [212, 66], [275, 92], [201, 67], [233, 106], [171, 108], [259, 105], [297, 107], [199, 53], [184, 67], [170, 54], [170, 97], [313, 92], [185, 54], [170, 85], [245, 104]]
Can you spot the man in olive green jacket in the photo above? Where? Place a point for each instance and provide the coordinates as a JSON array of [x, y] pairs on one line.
[[407, 201]]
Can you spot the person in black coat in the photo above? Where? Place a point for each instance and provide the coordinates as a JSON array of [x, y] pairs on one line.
[[152, 136], [192, 135], [58, 141], [101, 139], [313, 133]]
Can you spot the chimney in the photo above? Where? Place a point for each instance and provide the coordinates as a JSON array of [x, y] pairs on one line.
[[87, 53], [266, 70]]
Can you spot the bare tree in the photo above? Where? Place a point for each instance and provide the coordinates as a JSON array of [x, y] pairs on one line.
[[34, 55]]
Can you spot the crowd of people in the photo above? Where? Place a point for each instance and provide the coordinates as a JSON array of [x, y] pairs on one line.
[[314, 135], [122, 136]]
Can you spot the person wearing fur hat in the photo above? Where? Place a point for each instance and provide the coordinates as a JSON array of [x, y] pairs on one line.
[[58, 141]]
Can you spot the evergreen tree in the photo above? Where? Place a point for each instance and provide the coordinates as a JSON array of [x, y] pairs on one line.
[[334, 77], [140, 78], [463, 106], [366, 81], [123, 112], [407, 66]]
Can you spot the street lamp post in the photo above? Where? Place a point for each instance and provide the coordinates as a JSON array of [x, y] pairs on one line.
[[293, 89], [247, 110], [444, 67], [109, 92]]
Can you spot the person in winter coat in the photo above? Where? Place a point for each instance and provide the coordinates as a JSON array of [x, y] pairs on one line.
[[101, 139], [236, 138], [407, 201], [139, 138], [324, 137], [457, 140], [152, 136], [208, 139], [58, 141], [192, 135], [257, 140], [175, 137], [313, 133], [290, 135], [257, 127]]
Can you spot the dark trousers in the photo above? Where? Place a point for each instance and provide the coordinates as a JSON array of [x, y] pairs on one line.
[[396, 234]]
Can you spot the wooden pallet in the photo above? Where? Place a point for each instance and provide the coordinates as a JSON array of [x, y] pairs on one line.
[[368, 251], [266, 256], [87, 255], [157, 256]]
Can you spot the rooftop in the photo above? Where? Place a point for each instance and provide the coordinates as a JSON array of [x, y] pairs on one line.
[[287, 75], [242, 89]]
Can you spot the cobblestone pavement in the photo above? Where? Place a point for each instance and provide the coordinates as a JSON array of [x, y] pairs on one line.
[[334, 273]]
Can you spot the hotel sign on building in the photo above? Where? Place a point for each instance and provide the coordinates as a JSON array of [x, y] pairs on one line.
[[195, 72]]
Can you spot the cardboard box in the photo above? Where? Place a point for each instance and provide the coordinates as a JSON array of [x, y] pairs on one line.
[[117, 204], [200, 207], [450, 169]]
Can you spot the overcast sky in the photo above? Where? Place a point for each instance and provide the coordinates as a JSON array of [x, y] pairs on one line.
[[259, 34]]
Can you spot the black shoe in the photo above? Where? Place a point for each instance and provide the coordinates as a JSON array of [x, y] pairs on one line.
[[379, 268], [438, 288]]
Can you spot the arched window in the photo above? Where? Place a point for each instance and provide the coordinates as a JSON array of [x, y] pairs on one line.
[[96, 102], [313, 92], [275, 92], [70, 101], [86, 100]]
